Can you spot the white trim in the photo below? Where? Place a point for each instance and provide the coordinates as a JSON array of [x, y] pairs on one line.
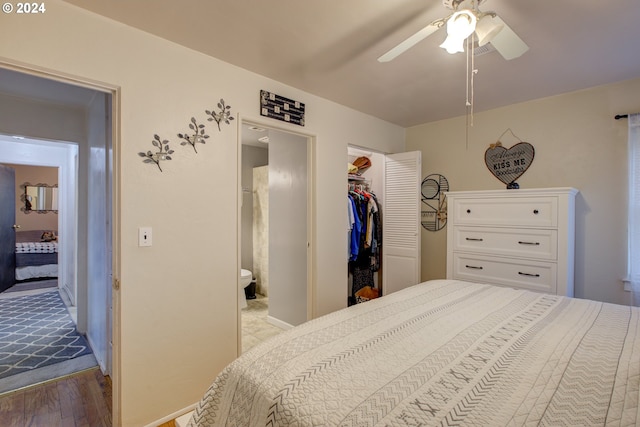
[[183, 420], [181, 417], [279, 323]]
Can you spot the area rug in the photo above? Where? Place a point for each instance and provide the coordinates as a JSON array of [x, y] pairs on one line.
[[39, 341]]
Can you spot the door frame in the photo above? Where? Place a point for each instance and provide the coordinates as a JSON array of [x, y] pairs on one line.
[[67, 180], [114, 91], [311, 223]]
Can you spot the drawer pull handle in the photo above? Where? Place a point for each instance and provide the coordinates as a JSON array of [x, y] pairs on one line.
[[535, 211], [468, 210], [529, 243], [473, 267], [528, 274], [473, 239]]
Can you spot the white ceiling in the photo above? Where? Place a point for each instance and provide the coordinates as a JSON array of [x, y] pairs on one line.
[[329, 48]]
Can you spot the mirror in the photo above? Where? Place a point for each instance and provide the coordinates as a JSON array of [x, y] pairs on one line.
[[40, 198]]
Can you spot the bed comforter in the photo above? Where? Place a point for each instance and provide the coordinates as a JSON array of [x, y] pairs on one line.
[[440, 353], [34, 258]]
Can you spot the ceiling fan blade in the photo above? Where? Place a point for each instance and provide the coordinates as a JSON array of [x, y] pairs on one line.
[[411, 41], [507, 42]]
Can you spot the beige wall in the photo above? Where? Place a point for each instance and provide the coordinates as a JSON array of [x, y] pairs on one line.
[[34, 175], [577, 144], [178, 298]]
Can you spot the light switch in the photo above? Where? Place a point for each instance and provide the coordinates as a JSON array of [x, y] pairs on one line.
[[144, 236]]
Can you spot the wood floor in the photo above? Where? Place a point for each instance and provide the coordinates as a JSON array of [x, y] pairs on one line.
[[82, 399], [78, 400]]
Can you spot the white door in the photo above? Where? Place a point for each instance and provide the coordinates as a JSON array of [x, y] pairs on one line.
[[288, 234], [99, 232], [401, 221]]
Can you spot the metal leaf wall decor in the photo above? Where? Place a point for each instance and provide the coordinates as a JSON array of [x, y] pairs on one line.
[[164, 153], [195, 136], [222, 116]]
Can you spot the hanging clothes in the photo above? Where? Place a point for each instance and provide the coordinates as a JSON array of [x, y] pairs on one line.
[[365, 238], [376, 233], [354, 230]]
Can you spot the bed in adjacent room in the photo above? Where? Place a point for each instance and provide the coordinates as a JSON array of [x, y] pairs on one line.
[[443, 352], [36, 258]]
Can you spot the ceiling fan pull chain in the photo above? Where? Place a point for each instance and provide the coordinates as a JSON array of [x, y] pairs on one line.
[[470, 79], [474, 71], [469, 118], [467, 76]]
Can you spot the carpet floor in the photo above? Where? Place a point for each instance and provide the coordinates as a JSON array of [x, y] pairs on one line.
[[39, 341]]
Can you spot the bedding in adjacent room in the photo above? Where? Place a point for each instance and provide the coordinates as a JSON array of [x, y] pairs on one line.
[[35, 258], [443, 352]]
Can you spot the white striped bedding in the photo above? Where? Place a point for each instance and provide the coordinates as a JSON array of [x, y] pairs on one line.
[[440, 353]]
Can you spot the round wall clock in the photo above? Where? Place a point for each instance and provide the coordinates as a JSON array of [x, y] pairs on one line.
[[434, 203]]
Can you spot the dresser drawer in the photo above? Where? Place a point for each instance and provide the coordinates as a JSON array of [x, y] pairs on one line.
[[525, 243], [504, 211], [532, 275]]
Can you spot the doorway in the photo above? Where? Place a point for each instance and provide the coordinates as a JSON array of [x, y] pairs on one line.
[[29, 216], [86, 272], [394, 181], [275, 195]]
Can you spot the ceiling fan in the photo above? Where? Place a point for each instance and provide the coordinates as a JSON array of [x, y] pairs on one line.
[[462, 22]]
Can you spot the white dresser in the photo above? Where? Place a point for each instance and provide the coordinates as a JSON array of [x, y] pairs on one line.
[[518, 238]]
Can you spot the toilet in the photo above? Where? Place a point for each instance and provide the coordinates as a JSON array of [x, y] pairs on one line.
[[245, 280]]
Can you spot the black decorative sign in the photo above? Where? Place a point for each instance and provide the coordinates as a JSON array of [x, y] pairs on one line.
[[508, 164], [281, 108]]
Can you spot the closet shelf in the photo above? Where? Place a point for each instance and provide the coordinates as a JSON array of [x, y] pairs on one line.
[[355, 177]]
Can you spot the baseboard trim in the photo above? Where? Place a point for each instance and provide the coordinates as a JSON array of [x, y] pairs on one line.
[[101, 364], [183, 420], [67, 293], [279, 323], [174, 416]]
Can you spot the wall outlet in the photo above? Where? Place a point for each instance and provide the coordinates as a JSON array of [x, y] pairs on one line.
[[144, 236]]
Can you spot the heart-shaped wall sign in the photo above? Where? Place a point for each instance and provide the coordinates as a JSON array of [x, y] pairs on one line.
[[508, 164]]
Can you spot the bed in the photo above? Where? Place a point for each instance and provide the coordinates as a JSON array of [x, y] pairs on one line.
[[445, 353], [35, 259]]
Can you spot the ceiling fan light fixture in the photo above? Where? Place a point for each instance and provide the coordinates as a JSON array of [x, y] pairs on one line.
[[453, 44], [466, 18], [461, 24], [487, 28]]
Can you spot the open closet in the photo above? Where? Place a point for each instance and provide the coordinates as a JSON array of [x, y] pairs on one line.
[[365, 197], [383, 239]]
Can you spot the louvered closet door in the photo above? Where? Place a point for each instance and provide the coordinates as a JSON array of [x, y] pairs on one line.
[[401, 221]]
